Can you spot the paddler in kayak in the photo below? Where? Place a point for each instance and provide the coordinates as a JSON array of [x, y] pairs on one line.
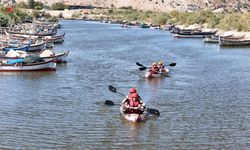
[[133, 103], [154, 69], [161, 67]]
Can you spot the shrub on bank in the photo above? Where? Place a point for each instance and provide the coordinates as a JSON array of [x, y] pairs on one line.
[[225, 21], [58, 6], [52, 19], [76, 15], [241, 22], [4, 20]]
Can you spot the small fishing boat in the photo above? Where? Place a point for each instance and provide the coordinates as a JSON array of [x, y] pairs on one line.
[[21, 48], [58, 57], [20, 65], [46, 55], [234, 41], [148, 74], [212, 39], [55, 38], [134, 117], [193, 34]]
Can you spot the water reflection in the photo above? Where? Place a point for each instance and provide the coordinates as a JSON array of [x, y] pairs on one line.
[[28, 75]]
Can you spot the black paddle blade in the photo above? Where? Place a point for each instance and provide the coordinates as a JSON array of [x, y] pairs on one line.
[[154, 112], [112, 89], [172, 64], [110, 103], [142, 68], [138, 64]]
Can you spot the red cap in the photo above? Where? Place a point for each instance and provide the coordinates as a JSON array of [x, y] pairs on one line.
[[132, 90]]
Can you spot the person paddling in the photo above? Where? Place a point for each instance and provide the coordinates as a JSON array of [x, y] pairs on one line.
[[161, 66], [133, 103], [154, 69], [131, 91]]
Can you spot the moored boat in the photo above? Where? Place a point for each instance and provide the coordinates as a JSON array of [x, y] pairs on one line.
[[55, 38], [21, 48], [46, 55], [212, 39], [194, 34], [20, 65], [38, 46], [58, 57], [234, 41]]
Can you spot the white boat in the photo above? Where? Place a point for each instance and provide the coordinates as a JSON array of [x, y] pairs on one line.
[[38, 46], [58, 57], [19, 65], [148, 74], [134, 117], [47, 55]]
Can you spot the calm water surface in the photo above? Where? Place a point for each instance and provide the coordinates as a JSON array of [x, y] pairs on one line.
[[205, 104]]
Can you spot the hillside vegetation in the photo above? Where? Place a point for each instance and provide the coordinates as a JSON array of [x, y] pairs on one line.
[[209, 19]]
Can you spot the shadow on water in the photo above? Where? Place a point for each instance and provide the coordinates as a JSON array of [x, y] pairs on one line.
[[28, 75]]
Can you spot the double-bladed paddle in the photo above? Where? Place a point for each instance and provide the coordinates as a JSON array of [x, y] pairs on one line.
[[111, 103], [142, 67]]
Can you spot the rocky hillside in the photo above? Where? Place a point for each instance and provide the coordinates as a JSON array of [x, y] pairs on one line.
[[192, 5], [163, 5]]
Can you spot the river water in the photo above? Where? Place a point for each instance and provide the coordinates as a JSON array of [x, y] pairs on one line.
[[204, 104]]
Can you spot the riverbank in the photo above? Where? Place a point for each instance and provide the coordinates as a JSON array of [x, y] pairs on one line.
[[224, 23], [206, 19]]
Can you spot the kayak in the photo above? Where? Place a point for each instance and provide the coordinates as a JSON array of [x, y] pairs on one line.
[[148, 74], [134, 117]]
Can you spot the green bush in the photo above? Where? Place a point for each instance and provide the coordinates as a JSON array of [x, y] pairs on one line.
[[52, 19], [47, 15], [235, 21], [76, 15], [35, 14], [162, 19], [4, 20], [226, 21], [128, 7], [31, 4], [58, 6], [38, 7], [19, 16], [21, 5]]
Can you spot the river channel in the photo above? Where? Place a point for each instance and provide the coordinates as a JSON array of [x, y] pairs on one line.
[[204, 104]]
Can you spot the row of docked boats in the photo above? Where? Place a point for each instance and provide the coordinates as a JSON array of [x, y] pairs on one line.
[[190, 32], [30, 51], [231, 38], [196, 31]]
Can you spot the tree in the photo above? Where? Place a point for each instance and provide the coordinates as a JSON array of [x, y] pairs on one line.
[[31, 4], [38, 5], [3, 20], [58, 6]]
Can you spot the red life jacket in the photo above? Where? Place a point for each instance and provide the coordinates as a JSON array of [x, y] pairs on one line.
[[129, 96], [133, 103], [155, 70]]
